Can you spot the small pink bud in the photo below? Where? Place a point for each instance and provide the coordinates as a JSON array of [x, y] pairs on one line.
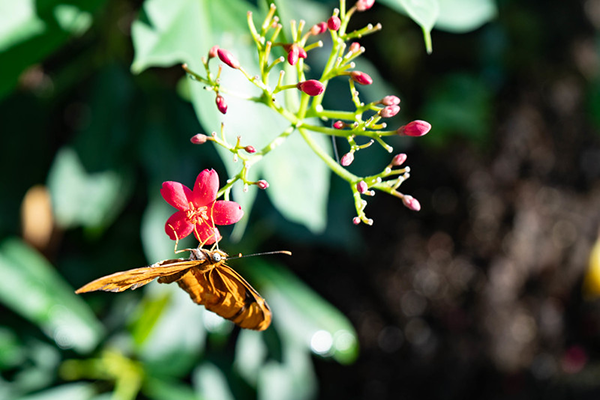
[[221, 104], [250, 149], [262, 184], [364, 5], [354, 47], [319, 28], [411, 203], [399, 159], [389, 111], [293, 52], [390, 101], [339, 125], [199, 138], [228, 58], [356, 220], [302, 53], [361, 78], [347, 159], [311, 87], [414, 128], [212, 53], [362, 187], [334, 23]]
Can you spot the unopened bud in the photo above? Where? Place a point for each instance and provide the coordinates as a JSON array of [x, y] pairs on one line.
[[334, 23], [212, 53], [356, 220], [411, 203], [390, 101], [302, 53], [362, 187], [389, 111], [199, 138], [221, 104], [361, 78], [347, 159], [319, 28], [414, 128], [250, 149], [399, 159], [354, 47], [293, 52], [262, 184], [339, 125], [364, 5], [311, 87], [228, 58]]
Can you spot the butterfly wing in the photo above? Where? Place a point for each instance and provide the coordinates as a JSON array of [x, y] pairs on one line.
[[223, 291], [167, 271]]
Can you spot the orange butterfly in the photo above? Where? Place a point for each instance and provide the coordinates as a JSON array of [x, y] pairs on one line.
[[208, 281]]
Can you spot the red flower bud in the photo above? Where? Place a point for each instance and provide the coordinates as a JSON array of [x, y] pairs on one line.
[[364, 5], [362, 187], [347, 159], [228, 58], [199, 138], [293, 52], [411, 203], [399, 159], [221, 104], [311, 87], [262, 184], [339, 125], [354, 47], [389, 111], [302, 53], [390, 101], [250, 149], [212, 53], [414, 128], [334, 23], [319, 28], [356, 220], [361, 78]]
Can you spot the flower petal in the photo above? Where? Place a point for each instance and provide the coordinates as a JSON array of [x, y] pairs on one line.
[[176, 194], [227, 212], [207, 235], [205, 188], [177, 226]]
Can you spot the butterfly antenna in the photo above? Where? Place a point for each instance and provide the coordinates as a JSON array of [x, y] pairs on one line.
[[289, 253], [177, 241]]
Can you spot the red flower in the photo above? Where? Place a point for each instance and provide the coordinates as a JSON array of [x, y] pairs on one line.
[[198, 210]]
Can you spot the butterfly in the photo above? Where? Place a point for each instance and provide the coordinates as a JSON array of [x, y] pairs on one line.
[[208, 281]]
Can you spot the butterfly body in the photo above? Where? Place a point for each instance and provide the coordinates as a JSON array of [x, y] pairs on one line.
[[208, 281]]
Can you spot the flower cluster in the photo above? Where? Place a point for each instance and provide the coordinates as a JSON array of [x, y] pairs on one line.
[[364, 122]]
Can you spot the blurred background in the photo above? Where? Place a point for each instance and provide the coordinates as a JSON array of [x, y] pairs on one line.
[[489, 292]]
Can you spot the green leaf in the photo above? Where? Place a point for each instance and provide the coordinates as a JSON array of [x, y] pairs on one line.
[[79, 391], [33, 289], [465, 15], [81, 199], [160, 389], [168, 330], [210, 382], [18, 22], [424, 12], [302, 316], [299, 182]]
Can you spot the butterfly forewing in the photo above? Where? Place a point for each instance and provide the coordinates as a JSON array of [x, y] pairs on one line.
[[207, 280]]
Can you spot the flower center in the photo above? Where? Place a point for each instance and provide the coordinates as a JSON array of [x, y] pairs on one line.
[[197, 215]]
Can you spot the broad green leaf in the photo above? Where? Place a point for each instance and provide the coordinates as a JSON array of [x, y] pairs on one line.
[[299, 181], [210, 382], [68, 391], [32, 288], [168, 330], [302, 315], [424, 12], [464, 15], [18, 22], [83, 199]]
